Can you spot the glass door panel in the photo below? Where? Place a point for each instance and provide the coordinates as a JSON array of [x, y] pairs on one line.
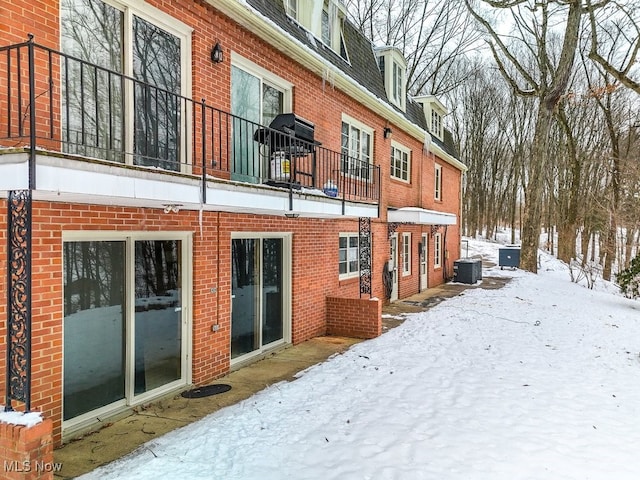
[[92, 98], [272, 103], [245, 291], [272, 291], [158, 314], [245, 106], [156, 63], [94, 325]]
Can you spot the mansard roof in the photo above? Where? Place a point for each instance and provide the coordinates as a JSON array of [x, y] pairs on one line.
[[361, 65]]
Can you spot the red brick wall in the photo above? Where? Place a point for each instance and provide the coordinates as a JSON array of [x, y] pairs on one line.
[[314, 277], [315, 242], [26, 452], [354, 317]]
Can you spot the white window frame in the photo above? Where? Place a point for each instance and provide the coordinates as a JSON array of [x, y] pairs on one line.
[[398, 149], [266, 77], [291, 7], [349, 273], [397, 88], [437, 250], [183, 32], [131, 399], [437, 187], [363, 129], [287, 272], [436, 123], [406, 254]]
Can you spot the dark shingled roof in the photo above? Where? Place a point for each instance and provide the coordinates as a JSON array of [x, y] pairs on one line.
[[362, 65]]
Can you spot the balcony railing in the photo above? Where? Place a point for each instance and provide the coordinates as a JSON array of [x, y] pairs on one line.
[[57, 102]]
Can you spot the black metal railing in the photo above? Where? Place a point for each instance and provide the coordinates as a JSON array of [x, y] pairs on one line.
[[53, 101]]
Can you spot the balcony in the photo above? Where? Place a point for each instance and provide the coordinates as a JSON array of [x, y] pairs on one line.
[[74, 131]]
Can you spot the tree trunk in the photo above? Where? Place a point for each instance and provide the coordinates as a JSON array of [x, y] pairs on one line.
[[566, 242], [532, 215], [609, 250]]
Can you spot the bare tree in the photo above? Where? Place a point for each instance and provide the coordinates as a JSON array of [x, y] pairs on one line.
[[433, 36], [491, 127], [615, 40], [547, 33]]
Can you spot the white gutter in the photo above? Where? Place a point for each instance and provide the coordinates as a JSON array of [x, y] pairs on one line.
[[269, 31]]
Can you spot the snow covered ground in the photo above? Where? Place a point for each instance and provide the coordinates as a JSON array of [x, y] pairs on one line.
[[537, 380]]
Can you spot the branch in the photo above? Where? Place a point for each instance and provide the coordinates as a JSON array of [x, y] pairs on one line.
[[502, 46]]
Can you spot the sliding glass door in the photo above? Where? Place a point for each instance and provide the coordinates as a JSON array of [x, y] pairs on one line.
[[125, 329], [260, 292]]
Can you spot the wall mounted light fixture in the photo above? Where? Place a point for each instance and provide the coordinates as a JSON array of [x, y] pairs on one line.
[[387, 132], [217, 55], [292, 215]]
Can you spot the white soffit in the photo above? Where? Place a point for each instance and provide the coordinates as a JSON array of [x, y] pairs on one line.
[[420, 216]]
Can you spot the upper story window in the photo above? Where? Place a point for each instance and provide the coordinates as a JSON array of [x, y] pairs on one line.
[[393, 67], [436, 124], [398, 83], [104, 115], [400, 162], [437, 194], [325, 28], [348, 265], [326, 24], [291, 7], [356, 147], [434, 113]]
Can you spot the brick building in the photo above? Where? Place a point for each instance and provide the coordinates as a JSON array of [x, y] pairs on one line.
[[191, 184]]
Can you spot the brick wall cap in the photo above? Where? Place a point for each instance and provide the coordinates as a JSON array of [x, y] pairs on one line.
[[20, 418]]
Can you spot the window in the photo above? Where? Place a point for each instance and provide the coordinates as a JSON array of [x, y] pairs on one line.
[[356, 148], [400, 163], [406, 254], [329, 29], [397, 86], [438, 183], [257, 96], [325, 32], [436, 124], [437, 250], [103, 116], [348, 265], [291, 7]]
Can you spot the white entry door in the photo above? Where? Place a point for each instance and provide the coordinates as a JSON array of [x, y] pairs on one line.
[[423, 262], [393, 266]]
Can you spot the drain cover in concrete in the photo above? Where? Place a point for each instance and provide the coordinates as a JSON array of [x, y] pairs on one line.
[[206, 391]]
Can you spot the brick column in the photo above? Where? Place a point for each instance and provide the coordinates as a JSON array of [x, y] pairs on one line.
[[26, 453]]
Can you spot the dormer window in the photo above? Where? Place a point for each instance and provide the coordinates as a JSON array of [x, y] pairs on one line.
[[325, 34], [436, 124], [398, 83], [434, 113], [393, 68], [291, 7], [325, 24], [331, 27]]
